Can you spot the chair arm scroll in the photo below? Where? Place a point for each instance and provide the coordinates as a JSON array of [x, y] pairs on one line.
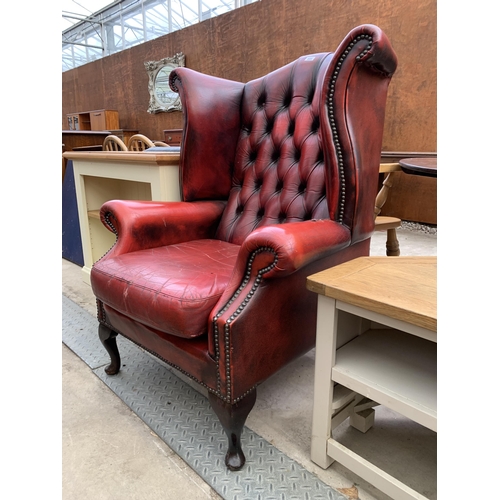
[[297, 244], [277, 251], [139, 225], [380, 57]]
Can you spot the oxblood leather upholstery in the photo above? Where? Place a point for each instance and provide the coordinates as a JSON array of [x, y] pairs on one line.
[[278, 179]]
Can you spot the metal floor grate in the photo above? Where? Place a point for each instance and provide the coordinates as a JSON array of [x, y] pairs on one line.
[[184, 420]]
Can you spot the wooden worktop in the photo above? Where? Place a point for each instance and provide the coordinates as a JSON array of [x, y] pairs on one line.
[[402, 288], [160, 158]]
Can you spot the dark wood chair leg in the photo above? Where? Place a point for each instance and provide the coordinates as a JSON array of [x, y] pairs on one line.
[[108, 339], [392, 244], [232, 419]]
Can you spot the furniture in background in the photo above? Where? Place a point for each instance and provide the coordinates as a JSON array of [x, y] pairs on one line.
[[90, 128], [278, 179], [385, 223], [139, 142], [79, 140], [160, 144], [100, 119], [412, 197], [72, 139], [419, 166], [95, 147], [173, 137], [113, 143], [392, 162], [376, 344], [103, 176]]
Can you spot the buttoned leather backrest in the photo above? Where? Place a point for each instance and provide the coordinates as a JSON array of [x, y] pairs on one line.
[[279, 167], [300, 143]]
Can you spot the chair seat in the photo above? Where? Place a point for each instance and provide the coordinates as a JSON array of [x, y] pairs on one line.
[[171, 288], [382, 223]]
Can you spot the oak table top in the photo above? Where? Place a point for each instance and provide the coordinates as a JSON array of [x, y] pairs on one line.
[[403, 288]]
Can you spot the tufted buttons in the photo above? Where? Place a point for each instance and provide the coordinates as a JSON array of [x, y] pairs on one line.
[[239, 209], [261, 101], [302, 187], [287, 98], [270, 125], [291, 127], [258, 183], [252, 156], [296, 155], [279, 186], [310, 96], [275, 155], [282, 217], [315, 125], [260, 212]]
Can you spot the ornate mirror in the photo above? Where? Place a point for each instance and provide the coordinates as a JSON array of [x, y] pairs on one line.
[[161, 97]]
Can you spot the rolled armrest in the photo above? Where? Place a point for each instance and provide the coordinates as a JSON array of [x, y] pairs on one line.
[[279, 250], [295, 245], [380, 57], [139, 225], [269, 252]]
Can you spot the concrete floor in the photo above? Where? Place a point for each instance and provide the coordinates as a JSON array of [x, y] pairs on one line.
[[109, 453]]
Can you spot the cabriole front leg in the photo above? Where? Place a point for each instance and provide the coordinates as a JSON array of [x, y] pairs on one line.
[[232, 418], [108, 339]]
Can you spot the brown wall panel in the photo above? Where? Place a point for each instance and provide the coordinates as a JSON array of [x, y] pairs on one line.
[[251, 41]]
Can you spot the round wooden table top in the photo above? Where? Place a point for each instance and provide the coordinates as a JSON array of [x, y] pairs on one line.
[[419, 166]]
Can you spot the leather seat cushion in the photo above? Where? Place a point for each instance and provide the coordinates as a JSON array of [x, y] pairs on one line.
[[171, 288]]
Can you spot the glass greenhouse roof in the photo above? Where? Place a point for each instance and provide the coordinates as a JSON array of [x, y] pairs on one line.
[[93, 29]]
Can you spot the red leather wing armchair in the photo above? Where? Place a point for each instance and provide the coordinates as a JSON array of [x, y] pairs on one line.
[[278, 178]]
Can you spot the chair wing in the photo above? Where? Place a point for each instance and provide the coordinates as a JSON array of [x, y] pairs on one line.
[[210, 134]]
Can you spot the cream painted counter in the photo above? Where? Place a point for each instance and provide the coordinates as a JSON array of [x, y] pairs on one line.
[[109, 175]]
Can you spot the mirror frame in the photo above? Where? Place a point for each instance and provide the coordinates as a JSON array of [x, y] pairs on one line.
[[153, 68]]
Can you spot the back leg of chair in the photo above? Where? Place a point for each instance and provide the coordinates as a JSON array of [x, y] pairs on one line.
[[108, 340], [232, 418], [392, 243], [389, 224]]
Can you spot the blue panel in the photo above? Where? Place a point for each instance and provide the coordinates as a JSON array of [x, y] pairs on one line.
[[71, 238]]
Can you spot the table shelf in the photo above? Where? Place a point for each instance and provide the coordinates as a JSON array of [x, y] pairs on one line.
[[94, 214], [395, 369]]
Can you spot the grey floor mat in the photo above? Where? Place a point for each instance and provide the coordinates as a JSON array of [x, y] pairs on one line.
[[183, 419]]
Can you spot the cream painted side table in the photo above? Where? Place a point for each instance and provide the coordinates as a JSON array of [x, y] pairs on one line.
[[376, 344], [108, 175]]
